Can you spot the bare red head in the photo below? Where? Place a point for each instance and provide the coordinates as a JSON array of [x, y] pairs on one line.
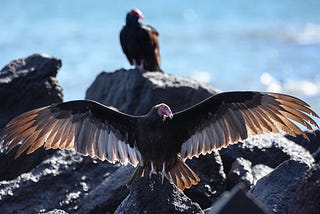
[[136, 12], [164, 110]]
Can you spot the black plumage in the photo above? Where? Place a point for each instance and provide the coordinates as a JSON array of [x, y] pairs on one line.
[[140, 43], [158, 141]]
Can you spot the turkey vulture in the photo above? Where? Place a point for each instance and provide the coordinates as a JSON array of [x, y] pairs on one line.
[[140, 43], [159, 141]]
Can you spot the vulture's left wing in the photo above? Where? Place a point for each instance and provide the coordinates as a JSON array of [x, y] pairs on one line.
[[86, 126], [232, 116]]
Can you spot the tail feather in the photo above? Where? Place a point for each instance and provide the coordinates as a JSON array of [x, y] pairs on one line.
[[182, 175]]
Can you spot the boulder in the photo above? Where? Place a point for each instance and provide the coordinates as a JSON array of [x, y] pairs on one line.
[[276, 190], [154, 196], [240, 172], [108, 194], [26, 84], [59, 182], [134, 92], [307, 195], [270, 150], [212, 179], [237, 201]]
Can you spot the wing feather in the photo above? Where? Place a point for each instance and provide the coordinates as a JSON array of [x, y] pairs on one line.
[[228, 117], [86, 126]]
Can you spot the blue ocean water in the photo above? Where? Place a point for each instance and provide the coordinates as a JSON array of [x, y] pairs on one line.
[[232, 45]]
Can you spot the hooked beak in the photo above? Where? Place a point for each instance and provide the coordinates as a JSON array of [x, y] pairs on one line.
[[164, 117]]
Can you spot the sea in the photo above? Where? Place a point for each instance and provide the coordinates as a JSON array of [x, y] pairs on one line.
[[232, 45]]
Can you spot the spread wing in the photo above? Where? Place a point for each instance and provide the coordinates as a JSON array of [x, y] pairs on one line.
[[86, 126], [232, 116]]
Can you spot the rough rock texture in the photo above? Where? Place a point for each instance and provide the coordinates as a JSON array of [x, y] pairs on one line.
[[259, 171], [56, 183], [107, 195], [212, 179], [270, 150], [153, 196], [236, 201], [313, 146], [307, 195], [277, 189], [241, 172], [26, 84], [135, 93]]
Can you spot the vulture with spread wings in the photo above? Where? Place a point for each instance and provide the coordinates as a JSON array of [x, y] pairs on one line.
[[140, 43], [159, 141]]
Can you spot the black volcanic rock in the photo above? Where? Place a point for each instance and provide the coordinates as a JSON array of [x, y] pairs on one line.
[[59, 182], [26, 84], [153, 196], [270, 150], [212, 179], [276, 190], [135, 93], [307, 195]]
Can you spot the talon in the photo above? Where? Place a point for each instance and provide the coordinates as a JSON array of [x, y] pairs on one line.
[[152, 171]]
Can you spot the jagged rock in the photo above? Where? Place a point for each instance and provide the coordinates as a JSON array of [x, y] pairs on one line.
[[107, 196], [59, 182], [135, 93], [212, 179], [153, 196], [313, 146], [237, 201], [240, 172], [26, 84], [307, 195], [56, 211], [276, 190], [259, 171], [270, 150]]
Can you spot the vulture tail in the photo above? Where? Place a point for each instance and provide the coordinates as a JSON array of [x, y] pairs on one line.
[[182, 175]]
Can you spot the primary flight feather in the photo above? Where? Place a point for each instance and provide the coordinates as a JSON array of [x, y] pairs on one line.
[[159, 141]]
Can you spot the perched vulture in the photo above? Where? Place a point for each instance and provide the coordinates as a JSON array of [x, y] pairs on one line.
[[140, 43], [159, 141]]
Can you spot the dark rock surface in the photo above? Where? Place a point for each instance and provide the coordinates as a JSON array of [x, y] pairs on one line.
[[108, 194], [153, 196], [26, 84], [135, 93], [56, 183], [237, 201], [270, 150], [241, 171], [277, 189], [307, 195], [212, 179]]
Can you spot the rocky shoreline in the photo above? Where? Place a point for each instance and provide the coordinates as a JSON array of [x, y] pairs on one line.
[[277, 173]]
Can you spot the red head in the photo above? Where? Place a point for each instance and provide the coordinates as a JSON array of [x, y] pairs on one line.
[[164, 111], [136, 12]]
